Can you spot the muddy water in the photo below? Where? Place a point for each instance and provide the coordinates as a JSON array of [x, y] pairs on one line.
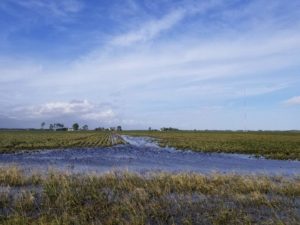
[[143, 155]]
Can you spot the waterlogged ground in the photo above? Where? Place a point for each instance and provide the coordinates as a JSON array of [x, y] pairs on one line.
[[143, 155]]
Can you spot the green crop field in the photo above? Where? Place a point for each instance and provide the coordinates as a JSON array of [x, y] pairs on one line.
[[275, 145], [124, 198], [13, 141]]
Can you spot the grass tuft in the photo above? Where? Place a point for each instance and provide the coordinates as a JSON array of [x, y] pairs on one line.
[[158, 198]]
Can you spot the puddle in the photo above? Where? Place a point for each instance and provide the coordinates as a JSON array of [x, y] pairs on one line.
[[143, 155]]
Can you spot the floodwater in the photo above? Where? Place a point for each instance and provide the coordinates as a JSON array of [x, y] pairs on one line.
[[143, 155]]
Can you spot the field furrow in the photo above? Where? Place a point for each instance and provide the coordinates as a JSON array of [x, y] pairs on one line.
[[13, 141]]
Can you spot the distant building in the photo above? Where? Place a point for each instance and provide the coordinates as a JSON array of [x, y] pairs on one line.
[[70, 129]]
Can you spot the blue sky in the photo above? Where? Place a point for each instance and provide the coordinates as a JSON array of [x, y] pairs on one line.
[[189, 64]]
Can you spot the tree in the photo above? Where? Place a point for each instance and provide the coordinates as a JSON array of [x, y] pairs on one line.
[[85, 127], [51, 126], [42, 125], [58, 126], [119, 128], [75, 126]]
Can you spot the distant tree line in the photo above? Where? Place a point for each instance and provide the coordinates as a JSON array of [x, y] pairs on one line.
[[101, 129], [169, 129], [61, 127], [75, 127], [118, 128], [57, 127]]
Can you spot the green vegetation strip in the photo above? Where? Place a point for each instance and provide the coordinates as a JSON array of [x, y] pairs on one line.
[[124, 198], [275, 145], [13, 141]]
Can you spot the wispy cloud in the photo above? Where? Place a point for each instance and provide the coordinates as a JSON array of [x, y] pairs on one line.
[[55, 7], [191, 62], [293, 101], [150, 29]]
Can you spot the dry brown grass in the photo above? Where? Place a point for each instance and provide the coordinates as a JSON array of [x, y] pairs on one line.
[[126, 198]]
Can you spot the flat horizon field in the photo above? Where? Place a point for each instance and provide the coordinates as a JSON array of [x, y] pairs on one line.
[[273, 145]]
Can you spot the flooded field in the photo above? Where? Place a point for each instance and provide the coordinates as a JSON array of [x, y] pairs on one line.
[[143, 155]]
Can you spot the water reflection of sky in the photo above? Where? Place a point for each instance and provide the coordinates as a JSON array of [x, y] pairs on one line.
[[143, 155]]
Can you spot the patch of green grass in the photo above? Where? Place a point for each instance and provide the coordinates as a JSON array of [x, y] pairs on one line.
[[275, 145], [13, 141], [125, 198]]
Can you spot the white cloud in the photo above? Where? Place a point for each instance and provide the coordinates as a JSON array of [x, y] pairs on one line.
[[106, 114], [83, 109], [64, 108], [293, 101]]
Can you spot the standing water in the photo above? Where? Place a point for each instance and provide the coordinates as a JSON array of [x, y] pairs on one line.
[[144, 155]]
